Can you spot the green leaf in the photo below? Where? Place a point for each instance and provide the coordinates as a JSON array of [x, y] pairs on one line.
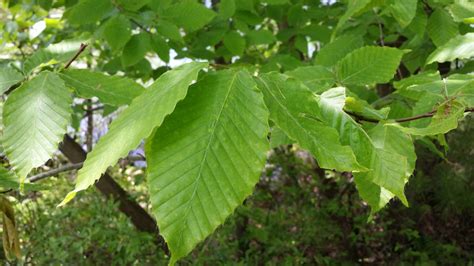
[[161, 47], [88, 11], [441, 27], [36, 116], [353, 7], [257, 37], [53, 54], [190, 15], [461, 10], [135, 123], [445, 120], [388, 169], [293, 108], [8, 180], [364, 109], [226, 8], [234, 42], [206, 158], [403, 11], [135, 49], [169, 30], [112, 90], [279, 138], [332, 52], [117, 32], [132, 5], [276, 2], [460, 47], [316, 78], [8, 78], [368, 65]]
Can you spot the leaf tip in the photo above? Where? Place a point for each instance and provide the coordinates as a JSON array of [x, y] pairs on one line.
[[67, 199]]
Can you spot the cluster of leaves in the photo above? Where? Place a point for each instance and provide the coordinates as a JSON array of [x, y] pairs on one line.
[[206, 129]]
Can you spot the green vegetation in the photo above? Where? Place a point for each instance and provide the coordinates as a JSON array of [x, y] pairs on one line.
[[318, 132]]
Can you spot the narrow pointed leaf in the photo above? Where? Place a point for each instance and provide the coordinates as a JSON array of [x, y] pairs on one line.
[[135, 123], [36, 116], [112, 90], [206, 158], [293, 108]]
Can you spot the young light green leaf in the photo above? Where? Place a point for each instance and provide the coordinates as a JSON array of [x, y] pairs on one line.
[[369, 65], [36, 116], [135, 123], [388, 168], [316, 78], [461, 47], [293, 108], [8, 78], [403, 11], [445, 120], [441, 27], [334, 51], [112, 90], [206, 158], [88, 11]]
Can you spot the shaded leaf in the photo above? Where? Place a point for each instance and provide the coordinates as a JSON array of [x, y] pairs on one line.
[[112, 90], [88, 11], [441, 27], [293, 108], [8, 78]]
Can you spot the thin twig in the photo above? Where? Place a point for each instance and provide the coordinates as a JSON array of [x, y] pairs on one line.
[[64, 168], [79, 52], [379, 23], [139, 25], [401, 120], [74, 166], [90, 125]]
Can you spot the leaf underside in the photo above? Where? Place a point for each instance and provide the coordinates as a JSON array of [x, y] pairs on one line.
[[36, 116]]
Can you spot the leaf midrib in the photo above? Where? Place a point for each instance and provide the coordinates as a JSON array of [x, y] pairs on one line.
[[211, 138]]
